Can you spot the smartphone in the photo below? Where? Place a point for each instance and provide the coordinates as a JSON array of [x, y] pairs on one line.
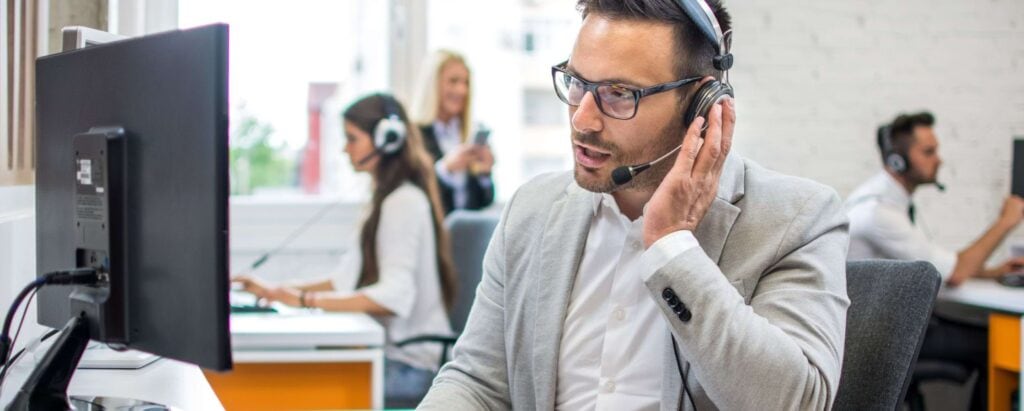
[[481, 136]]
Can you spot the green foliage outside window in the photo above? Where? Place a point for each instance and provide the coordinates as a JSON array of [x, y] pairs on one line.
[[255, 160]]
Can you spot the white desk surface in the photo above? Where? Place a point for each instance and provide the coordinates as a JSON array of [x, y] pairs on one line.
[[165, 381], [986, 294], [299, 329], [310, 336]]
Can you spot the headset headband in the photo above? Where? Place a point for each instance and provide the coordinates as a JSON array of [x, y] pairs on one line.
[[701, 14]]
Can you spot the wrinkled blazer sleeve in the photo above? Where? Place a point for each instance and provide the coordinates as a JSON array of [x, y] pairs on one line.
[[784, 350]]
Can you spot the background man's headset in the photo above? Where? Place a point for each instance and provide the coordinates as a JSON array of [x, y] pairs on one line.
[[709, 93], [893, 158]]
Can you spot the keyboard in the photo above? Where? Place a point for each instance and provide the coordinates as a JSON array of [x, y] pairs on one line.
[[248, 309], [1012, 280], [245, 303]]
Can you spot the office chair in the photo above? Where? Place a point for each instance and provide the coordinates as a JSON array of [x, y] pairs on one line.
[[934, 370], [470, 233], [890, 304]]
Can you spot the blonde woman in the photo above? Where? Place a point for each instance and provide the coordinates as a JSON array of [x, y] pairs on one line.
[[462, 163]]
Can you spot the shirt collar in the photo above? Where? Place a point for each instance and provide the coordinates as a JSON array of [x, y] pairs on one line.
[[606, 200], [600, 198], [891, 191], [451, 128]]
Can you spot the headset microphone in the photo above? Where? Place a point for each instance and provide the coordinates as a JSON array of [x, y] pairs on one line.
[[940, 186], [625, 174], [369, 157], [391, 138]]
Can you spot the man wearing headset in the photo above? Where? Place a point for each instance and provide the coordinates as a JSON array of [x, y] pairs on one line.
[[664, 272], [883, 224]]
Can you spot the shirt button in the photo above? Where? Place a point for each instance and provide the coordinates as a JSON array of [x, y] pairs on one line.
[[608, 387], [619, 314]]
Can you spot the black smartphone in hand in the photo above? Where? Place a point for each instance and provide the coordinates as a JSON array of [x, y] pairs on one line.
[[481, 136]]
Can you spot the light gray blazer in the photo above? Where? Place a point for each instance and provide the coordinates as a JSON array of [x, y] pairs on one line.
[[766, 290]]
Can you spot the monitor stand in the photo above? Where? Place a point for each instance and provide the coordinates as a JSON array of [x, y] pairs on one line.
[[46, 388]]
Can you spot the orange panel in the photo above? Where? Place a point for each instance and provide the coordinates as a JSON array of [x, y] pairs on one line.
[[1004, 341], [1003, 359], [294, 386]]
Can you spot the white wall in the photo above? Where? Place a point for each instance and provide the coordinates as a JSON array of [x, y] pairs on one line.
[[814, 80], [17, 252]]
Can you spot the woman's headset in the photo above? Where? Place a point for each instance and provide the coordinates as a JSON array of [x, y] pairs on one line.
[[712, 91], [390, 133]]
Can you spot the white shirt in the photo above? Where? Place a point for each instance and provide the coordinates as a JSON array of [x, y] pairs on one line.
[[880, 226], [614, 336], [449, 137], [409, 283]]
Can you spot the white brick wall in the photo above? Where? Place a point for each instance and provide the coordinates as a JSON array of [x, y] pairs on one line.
[[18, 253], [814, 79]]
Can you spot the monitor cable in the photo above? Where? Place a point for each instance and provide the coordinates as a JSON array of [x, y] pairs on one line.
[[78, 276], [679, 366]]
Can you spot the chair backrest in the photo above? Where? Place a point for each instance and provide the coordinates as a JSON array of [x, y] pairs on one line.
[[890, 303], [470, 233]]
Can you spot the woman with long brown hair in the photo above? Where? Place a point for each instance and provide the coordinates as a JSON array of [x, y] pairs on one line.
[[401, 269]]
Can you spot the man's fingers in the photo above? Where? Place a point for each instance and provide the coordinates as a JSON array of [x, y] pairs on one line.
[[691, 146], [728, 125], [711, 150]]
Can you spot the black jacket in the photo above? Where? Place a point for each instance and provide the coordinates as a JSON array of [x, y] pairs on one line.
[[477, 196]]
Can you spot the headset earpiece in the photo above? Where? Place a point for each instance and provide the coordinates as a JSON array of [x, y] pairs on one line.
[[894, 160], [706, 97], [390, 133]]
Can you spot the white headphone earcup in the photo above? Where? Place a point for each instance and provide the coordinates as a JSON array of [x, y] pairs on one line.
[[389, 135]]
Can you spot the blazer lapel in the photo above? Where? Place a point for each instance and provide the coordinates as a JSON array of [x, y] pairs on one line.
[[561, 248], [714, 228]]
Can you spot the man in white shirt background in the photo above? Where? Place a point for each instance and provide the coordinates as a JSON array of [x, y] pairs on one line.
[[883, 224]]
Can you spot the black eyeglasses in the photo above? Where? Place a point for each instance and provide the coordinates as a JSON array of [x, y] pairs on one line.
[[614, 100]]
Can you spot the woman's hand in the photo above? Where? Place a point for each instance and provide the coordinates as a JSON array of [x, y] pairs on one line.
[[458, 159], [265, 290], [484, 159], [253, 285]]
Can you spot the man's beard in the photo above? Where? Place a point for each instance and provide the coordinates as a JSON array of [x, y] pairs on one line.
[[601, 182], [920, 178]]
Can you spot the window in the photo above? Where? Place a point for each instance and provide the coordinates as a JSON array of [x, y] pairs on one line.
[[18, 50], [292, 67], [511, 60]]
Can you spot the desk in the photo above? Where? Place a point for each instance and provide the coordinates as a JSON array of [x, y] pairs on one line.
[[1005, 334], [303, 359], [165, 381]]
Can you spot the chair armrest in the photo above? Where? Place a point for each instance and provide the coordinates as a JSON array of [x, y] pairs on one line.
[[446, 342]]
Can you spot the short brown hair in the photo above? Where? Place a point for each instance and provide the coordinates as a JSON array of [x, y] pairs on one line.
[[695, 53], [901, 131]]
